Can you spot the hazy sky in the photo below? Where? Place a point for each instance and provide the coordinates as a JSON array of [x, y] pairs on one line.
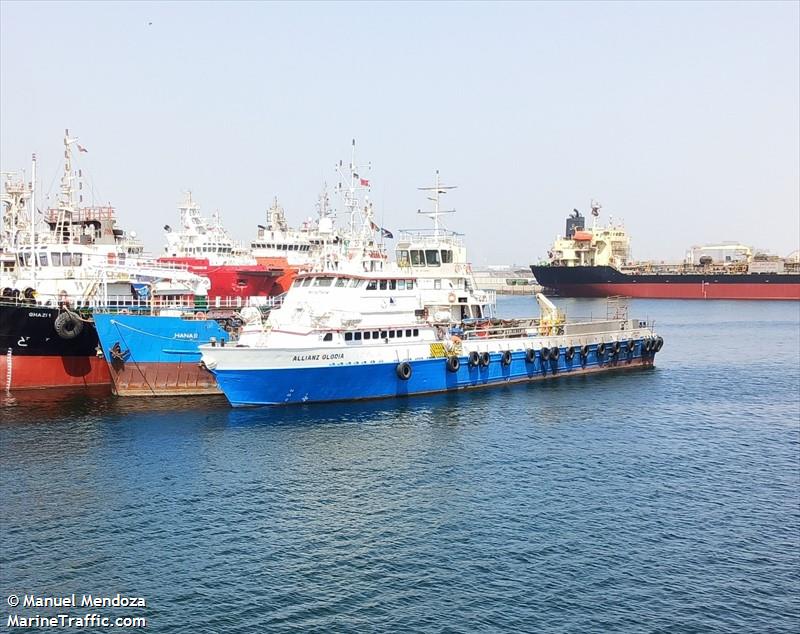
[[681, 118]]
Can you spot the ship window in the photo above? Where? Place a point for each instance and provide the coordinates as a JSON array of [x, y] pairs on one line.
[[375, 334], [399, 333], [372, 285], [297, 283], [42, 259], [437, 284], [56, 259], [384, 334], [432, 257], [391, 334], [402, 257], [324, 281], [408, 332], [358, 336], [367, 335], [416, 332], [307, 281], [417, 258], [383, 285], [392, 285], [328, 337], [341, 282], [348, 336], [447, 257], [401, 285], [77, 258], [355, 283], [409, 285]]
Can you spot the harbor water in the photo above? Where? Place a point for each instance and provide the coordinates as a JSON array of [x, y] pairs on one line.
[[659, 500]]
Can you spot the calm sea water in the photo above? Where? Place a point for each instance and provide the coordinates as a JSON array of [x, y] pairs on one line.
[[666, 500]]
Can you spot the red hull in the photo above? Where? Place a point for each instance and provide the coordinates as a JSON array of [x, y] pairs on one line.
[[162, 379], [684, 291], [31, 372], [231, 280], [285, 279]]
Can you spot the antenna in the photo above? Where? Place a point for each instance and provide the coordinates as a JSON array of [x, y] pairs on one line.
[[438, 190]]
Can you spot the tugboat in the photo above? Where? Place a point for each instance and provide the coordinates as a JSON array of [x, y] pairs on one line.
[[594, 262], [206, 249], [52, 281]]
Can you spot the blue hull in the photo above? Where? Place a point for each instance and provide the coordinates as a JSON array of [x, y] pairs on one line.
[[368, 381], [157, 356]]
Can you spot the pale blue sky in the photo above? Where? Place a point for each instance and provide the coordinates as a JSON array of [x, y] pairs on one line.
[[681, 118]]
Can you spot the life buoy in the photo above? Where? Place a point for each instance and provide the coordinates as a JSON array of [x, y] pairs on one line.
[[404, 370], [112, 258], [554, 353], [569, 353], [485, 359], [544, 353], [473, 359], [506, 359], [453, 364], [530, 355], [451, 298], [200, 316], [67, 325], [658, 344]]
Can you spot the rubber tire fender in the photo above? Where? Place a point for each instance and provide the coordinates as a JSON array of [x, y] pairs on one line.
[[555, 352], [530, 355], [506, 358], [403, 370], [569, 353], [544, 353], [67, 325], [473, 359], [453, 364], [485, 359], [659, 343]]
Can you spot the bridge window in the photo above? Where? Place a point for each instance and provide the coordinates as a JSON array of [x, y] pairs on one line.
[[383, 285], [432, 257], [307, 281], [324, 281], [42, 259], [56, 259], [447, 256], [392, 285], [417, 258], [402, 257], [328, 337], [341, 282]]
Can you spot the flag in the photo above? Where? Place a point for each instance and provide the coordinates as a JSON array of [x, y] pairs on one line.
[[81, 148], [385, 233], [595, 211], [364, 182], [355, 175]]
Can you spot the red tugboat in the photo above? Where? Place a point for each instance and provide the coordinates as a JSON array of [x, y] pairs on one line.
[[207, 250], [593, 262]]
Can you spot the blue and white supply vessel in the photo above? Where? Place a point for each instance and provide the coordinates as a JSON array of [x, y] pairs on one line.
[[346, 337], [357, 330]]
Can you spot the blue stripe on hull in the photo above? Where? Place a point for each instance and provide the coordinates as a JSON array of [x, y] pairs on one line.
[[380, 380]]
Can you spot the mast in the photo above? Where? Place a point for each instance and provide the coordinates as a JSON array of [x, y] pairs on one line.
[[349, 194], [438, 189], [32, 228]]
